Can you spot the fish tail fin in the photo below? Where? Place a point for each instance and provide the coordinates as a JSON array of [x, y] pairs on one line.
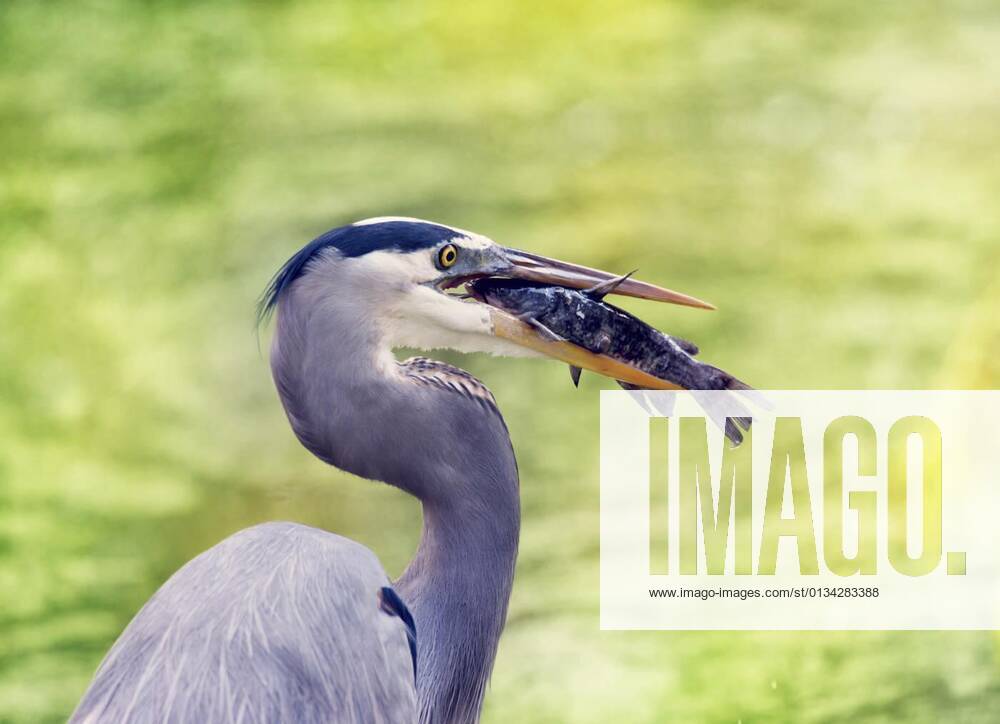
[[733, 431], [735, 425], [722, 380]]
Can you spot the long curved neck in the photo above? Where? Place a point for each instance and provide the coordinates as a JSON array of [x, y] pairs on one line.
[[352, 406], [458, 586]]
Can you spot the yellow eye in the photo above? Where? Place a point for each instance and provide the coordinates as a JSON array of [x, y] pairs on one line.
[[447, 256]]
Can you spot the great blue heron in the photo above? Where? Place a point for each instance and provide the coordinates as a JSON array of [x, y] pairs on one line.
[[286, 623]]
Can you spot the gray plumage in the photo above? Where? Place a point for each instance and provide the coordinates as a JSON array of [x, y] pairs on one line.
[[435, 432], [262, 628], [282, 622]]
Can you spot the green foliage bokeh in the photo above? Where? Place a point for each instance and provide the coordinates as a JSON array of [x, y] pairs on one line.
[[825, 172]]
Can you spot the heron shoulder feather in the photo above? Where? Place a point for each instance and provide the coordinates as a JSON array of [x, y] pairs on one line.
[[442, 375]]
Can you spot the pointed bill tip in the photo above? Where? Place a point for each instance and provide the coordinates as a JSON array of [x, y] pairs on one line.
[[534, 267], [631, 287]]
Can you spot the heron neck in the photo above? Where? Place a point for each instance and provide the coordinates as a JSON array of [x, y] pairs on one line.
[[351, 406], [458, 586]]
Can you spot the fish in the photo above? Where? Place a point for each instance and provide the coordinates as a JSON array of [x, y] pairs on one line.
[[583, 318]]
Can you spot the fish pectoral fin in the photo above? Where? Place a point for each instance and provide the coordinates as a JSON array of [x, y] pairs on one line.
[[574, 374], [690, 347], [542, 329], [602, 289]]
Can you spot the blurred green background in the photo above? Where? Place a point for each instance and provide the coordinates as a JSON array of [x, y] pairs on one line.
[[826, 172]]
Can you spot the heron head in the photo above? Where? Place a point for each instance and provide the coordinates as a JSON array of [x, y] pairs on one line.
[[404, 278]]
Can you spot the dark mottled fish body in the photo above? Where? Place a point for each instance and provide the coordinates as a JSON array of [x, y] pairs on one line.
[[602, 328], [583, 318]]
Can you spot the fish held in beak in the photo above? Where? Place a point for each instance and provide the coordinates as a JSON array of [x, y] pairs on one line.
[[578, 327]]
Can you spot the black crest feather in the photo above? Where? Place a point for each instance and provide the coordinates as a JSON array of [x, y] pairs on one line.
[[350, 241]]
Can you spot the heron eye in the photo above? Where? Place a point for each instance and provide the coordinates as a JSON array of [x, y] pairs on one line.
[[447, 256]]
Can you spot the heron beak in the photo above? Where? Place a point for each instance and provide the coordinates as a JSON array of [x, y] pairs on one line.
[[563, 274]]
